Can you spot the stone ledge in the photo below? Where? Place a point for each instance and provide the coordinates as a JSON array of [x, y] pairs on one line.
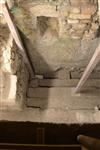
[[52, 116], [44, 10], [58, 92], [67, 83]]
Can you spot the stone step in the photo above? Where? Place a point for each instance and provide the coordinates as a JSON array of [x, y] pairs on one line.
[[63, 98], [62, 83]]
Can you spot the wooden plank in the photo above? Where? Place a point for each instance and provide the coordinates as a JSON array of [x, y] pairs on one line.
[[15, 34], [92, 64]]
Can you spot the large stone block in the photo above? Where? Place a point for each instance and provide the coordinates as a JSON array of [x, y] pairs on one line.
[[44, 10], [64, 98], [79, 2]]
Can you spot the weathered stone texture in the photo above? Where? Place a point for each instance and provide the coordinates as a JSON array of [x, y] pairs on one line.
[[69, 11], [8, 90], [10, 58], [14, 73], [57, 30]]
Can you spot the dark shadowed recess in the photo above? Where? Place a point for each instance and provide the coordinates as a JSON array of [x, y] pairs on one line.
[[45, 133]]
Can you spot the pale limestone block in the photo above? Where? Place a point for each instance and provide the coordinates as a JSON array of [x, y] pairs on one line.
[[8, 90], [9, 87], [75, 2], [44, 10], [88, 9], [75, 10], [79, 16], [71, 21]]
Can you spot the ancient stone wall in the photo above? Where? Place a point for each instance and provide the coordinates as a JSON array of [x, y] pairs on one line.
[[76, 18], [13, 72], [63, 33]]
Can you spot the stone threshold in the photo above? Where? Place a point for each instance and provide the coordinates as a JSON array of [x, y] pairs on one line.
[[52, 116]]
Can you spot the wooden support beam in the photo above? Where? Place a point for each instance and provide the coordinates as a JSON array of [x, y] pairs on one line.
[[92, 64], [15, 34], [89, 142]]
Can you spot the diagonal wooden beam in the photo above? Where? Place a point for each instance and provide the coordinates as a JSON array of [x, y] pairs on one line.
[[15, 34], [89, 142], [92, 64]]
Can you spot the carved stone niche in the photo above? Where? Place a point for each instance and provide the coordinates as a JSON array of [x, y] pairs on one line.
[[47, 26]]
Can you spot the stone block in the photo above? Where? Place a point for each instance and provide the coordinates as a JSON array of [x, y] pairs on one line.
[[87, 21], [38, 92], [62, 73], [67, 83], [76, 35], [79, 26], [36, 102], [79, 16], [44, 10], [75, 2], [88, 9], [63, 13], [75, 10], [34, 83], [71, 21], [64, 98]]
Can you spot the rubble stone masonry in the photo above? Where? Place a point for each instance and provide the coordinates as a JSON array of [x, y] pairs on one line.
[[13, 72]]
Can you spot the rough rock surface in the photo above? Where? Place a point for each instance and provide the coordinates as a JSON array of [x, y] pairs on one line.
[[13, 71], [62, 34]]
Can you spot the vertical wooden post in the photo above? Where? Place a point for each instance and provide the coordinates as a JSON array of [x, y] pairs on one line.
[[15, 34]]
